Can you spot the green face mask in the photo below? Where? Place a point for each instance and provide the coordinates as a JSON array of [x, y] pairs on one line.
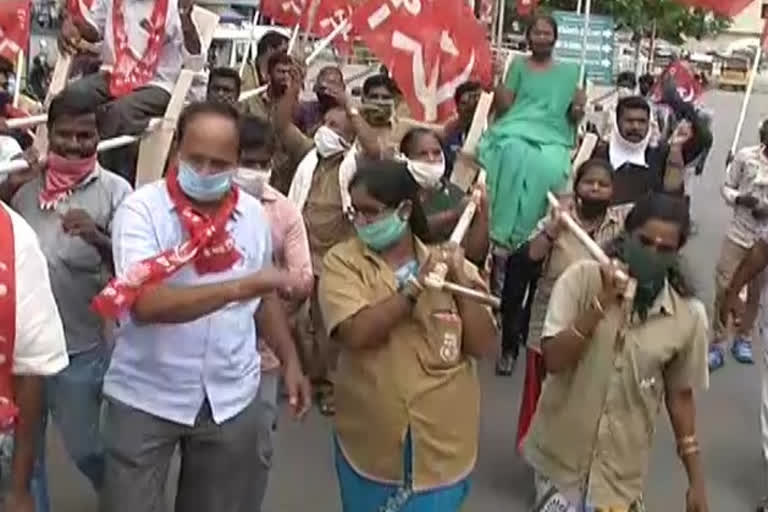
[[383, 233], [650, 268]]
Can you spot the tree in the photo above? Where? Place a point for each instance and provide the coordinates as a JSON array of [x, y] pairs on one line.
[[673, 21]]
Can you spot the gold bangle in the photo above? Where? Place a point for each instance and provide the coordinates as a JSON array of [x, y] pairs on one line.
[[578, 333]]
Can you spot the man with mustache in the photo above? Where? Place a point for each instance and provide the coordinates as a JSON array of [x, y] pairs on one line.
[[309, 116], [224, 86], [640, 167], [256, 72], [71, 206]]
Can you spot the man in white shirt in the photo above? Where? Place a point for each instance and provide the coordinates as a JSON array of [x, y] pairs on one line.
[[39, 350], [746, 191], [145, 45]]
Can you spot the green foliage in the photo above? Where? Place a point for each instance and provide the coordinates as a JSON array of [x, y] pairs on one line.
[[673, 20]]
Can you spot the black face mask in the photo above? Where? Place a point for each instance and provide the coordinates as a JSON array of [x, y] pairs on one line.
[[592, 208]]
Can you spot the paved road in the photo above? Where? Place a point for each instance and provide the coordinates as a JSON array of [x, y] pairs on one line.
[[303, 476]]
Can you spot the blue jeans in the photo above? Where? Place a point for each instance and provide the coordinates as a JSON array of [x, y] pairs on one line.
[[74, 399]]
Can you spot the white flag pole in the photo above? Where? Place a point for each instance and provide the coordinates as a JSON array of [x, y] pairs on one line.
[[745, 103], [19, 72], [500, 33], [585, 40], [578, 6]]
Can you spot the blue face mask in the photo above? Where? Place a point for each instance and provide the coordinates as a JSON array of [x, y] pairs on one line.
[[383, 233], [203, 188], [405, 272]]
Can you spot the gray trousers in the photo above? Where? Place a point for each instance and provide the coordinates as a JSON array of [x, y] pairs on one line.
[[268, 400], [128, 115], [219, 463]]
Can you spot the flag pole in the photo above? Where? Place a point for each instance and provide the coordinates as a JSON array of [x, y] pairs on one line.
[[500, 28], [578, 6], [19, 71], [745, 103], [585, 40], [249, 49]]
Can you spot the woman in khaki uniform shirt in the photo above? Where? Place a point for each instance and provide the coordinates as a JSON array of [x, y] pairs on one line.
[[611, 363], [551, 249], [407, 393]]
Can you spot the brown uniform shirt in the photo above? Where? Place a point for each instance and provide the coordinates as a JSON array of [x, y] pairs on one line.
[[419, 380], [594, 423], [324, 215], [565, 250]]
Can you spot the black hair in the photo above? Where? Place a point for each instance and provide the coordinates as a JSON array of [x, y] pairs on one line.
[[201, 108], [668, 208], [326, 70], [256, 132], [70, 102], [547, 18], [270, 41], [646, 82], [391, 183], [278, 58], [464, 88], [411, 136], [628, 78], [632, 103], [229, 73], [380, 80], [591, 164]]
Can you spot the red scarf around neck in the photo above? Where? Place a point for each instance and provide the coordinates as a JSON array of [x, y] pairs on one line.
[[62, 175], [209, 246], [8, 410], [130, 73]]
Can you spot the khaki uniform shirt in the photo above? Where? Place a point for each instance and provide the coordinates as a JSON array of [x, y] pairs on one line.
[[594, 424], [419, 380], [324, 215], [565, 250], [256, 105]]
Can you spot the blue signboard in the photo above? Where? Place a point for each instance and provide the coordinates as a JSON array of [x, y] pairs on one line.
[[600, 44]]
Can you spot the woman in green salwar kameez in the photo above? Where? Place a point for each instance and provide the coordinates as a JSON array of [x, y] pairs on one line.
[[527, 150]]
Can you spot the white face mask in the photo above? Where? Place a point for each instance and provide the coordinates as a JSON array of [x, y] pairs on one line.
[[252, 180], [329, 143], [427, 174]]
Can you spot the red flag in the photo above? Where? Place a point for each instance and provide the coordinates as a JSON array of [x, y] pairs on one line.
[[329, 15], [285, 12], [430, 47], [687, 86], [78, 8], [14, 28], [526, 7], [724, 7]]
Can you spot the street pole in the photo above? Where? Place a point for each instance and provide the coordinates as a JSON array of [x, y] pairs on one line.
[[585, 40]]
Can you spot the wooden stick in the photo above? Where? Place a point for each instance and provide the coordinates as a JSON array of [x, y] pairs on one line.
[[153, 151], [26, 122], [591, 246], [464, 173], [104, 145], [436, 278], [745, 104], [326, 41], [585, 40], [19, 74], [58, 82]]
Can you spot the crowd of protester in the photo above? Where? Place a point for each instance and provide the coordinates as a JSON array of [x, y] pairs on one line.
[[287, 254]]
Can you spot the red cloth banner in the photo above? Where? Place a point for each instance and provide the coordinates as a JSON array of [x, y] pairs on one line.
[[285, 12], [78, 8], [14, 28], [723, 7], [430, 47], [526, 7], [687, 86], [329, 15]]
